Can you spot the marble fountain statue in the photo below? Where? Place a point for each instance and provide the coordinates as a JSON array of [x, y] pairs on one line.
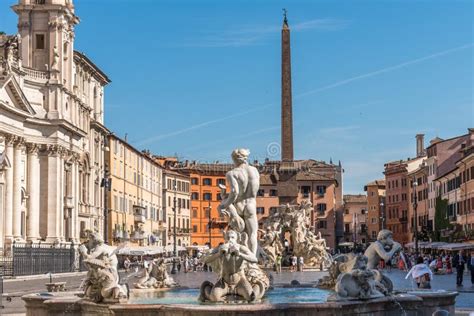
[[354, 286]]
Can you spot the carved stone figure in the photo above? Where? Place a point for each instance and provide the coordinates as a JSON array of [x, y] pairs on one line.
[[359, 283], [303, 242], [378, 250], [231, 261], [384, 248], [55, 63], [235, 261], [102, 280], [244, 181], [156, 276]]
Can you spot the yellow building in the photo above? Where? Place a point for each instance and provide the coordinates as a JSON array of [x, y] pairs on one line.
[[135, 198]]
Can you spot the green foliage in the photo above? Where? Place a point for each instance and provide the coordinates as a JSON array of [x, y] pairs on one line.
[[441, 220], [2, 33]]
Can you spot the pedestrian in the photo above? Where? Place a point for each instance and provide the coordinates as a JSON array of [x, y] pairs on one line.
[[278, 263], [294, 261], [421, 274], [301, 263], [126, 264], [471, 266], [179, 265], [389, 265], [459, 262], [195, 263], [449, 265]]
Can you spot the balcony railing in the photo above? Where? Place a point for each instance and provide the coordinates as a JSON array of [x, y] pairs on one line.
[[36, 74]]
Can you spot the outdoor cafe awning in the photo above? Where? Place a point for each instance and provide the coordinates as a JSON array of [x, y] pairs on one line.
[[441, 245], [457, 246], [140, 251]]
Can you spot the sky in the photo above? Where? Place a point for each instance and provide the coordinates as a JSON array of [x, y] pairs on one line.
[[197, 79]]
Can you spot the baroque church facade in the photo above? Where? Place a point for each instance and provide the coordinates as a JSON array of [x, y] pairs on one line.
[[53, 140]]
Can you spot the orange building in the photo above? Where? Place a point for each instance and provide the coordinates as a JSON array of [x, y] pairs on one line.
[[207, 225], [375, 207]]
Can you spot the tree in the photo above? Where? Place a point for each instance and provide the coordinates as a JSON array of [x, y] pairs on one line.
[[441, 220]]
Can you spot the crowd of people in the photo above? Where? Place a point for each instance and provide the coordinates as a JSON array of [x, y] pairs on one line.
[[423, 267]]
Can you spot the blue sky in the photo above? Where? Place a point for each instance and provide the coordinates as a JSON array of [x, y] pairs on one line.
[[198, 78]]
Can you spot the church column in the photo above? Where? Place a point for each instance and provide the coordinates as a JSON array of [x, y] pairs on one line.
[[9, 141], [54, 190], [17, 170], [33, 193]]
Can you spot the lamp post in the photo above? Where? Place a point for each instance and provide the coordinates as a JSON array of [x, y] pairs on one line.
[[174, 269], [210, 223], [106, 183], [415, 220]]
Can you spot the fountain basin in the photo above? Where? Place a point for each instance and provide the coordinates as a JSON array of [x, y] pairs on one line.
[[283, 301]]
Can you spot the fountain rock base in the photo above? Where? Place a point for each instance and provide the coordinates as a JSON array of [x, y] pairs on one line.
[[417, 303]]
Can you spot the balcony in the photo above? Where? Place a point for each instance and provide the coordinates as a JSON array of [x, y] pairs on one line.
[[179, 232]]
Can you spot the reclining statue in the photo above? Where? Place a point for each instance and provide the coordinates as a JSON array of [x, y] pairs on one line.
[[156, 276], [102, 280]]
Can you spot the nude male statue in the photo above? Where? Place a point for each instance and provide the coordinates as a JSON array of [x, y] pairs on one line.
[[244, 181], [231, 258], [376, 250]]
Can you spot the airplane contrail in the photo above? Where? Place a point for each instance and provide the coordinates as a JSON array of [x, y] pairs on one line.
[[384, 70], [184, 130], [331, 86]]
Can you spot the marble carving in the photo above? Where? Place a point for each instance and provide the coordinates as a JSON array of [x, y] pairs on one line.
[[156, 276], [235, 261], [102, 280]]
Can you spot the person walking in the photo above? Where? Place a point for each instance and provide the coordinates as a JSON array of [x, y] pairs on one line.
[[471, 266], [459, 262], [294, 261], [301, 263], [278, 263], [421, 274]]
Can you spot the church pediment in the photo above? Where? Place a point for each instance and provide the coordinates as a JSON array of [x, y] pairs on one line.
[[12, 96]]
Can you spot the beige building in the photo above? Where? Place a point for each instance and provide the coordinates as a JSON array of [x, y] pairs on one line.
[[177, 198], [51, 128], [355, 218], [135, 199]]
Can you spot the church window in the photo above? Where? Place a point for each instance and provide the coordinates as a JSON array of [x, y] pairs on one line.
[[39, 41]]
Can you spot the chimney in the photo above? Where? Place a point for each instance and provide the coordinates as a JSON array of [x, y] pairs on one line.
[[420, 145]]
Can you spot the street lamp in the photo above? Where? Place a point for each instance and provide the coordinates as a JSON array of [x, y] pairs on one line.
[[106, 183], [174, 270], [382, 215], [210, 223], [415, 220]]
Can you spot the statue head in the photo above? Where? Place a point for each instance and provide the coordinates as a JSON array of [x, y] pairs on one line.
[[231, 236], [385, 236], [240, 156]]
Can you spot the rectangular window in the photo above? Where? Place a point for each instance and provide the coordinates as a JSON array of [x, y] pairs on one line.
[[40, 41], [322, 225], [195, 228], [260, 210], [207, 181], [321, 189], [260, 192], [195, 213], [221, 181], [273, 192], [207, 196], [194, 181]]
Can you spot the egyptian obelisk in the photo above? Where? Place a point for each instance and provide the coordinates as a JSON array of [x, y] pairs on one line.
[[286, 98], [287, 185]]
